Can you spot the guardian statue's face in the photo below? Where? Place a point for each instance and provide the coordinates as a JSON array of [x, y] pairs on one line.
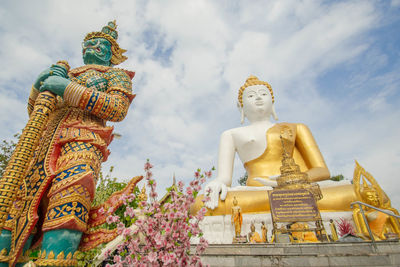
[[257, 97], [97, 51]]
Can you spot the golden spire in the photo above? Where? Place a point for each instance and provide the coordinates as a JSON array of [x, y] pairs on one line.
[[291, 177]]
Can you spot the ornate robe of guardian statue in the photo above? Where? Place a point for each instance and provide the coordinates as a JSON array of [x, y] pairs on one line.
[[53, 202]]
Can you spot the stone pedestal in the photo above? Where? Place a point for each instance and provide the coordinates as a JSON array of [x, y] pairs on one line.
[[387, 253], [239, 240], [219, 230]]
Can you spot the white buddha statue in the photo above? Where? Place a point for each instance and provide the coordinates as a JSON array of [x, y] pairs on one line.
[[260, 149]]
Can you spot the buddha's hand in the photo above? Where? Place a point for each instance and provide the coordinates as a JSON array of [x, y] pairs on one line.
[[54, 70], [55, 84], [270, 181], [213, 189]]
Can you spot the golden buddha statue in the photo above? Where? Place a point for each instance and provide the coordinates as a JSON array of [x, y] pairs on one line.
[[236, 218], [334, 234], [259, 148], [264, 232], [253, 236], [142, 197], [372, 194], [303, 237]]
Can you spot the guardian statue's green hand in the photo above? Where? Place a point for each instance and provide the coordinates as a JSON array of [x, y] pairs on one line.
[[55, 84], [54, 70]]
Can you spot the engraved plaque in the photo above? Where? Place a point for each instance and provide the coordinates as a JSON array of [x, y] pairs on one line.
[[293, 205]]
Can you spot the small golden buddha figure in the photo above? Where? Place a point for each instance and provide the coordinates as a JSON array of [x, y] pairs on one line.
[[264, 232], [259, 147], [142, 197], [236, 218], [253, 236], [372, 194], [303, 237], [334, 234]]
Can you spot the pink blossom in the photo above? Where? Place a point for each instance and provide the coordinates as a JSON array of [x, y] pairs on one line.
[[109, 219], [189, 191], [165, 231], [180, 185], [117, 259], [127, 232], [147, 166], [208, 174], [152, 257], [149, 175], [131, 198], [101, 210], [153, 195], [120, 228], [129, 212]]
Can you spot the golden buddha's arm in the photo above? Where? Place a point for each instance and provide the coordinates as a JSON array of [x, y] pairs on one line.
[[308, 148]]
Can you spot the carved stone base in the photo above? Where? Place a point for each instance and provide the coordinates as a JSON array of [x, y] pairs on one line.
[[240, 239], [392, 236]]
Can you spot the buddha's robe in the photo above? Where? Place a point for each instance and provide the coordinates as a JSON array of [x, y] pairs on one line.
[[377, 222]]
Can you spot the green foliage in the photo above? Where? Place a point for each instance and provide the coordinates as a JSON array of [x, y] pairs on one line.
[[6, 150], [106, 186], [242, 180], [337, 178], [86, 258]]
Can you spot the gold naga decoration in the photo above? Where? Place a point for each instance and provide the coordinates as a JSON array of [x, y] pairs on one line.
[[368, 190], [15, 172]]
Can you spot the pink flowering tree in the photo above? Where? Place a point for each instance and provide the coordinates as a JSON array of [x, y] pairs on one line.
[[162, 231]]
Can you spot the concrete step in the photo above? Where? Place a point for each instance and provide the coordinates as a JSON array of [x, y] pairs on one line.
[[311, 254]]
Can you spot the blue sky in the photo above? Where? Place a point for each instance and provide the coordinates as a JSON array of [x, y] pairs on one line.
[[333, 65]]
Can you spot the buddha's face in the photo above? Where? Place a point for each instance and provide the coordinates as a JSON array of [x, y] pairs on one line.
[[97, 51], [372, 198], [257, 99]]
